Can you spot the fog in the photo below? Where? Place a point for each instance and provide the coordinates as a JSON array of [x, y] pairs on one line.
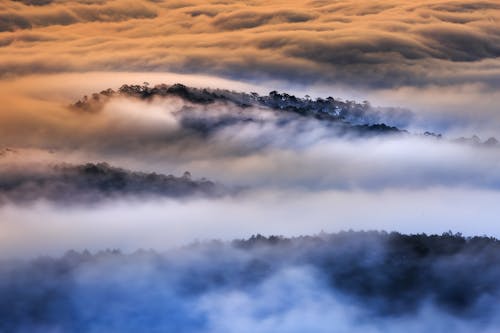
[[281, 173], [347, 282], [147, 145], [162, 224], [455, 110], [246, 146], [158, 173]]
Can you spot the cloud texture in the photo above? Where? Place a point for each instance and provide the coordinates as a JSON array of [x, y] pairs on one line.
[[249, 140], [298, 165], [355, 282], [360, 43], [294, 165]]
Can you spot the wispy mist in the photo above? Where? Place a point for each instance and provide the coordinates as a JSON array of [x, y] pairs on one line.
[[355, 282], [168, 132], [255, 143]]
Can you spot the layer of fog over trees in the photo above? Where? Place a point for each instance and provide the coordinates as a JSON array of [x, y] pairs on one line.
[[240, 140], [349, 112], [99, 173], [350, 116], [93, 183], [343, 282], [109, 203], [259, 164]]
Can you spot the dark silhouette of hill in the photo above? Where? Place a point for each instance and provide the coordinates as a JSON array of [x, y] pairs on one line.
[[93, 182], [359, 118], [347, 117]]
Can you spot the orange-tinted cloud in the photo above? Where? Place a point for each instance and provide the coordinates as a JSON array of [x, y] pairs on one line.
[[364, 43]]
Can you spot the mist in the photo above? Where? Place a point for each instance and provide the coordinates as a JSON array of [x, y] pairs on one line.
[[162, 224], [236, 166], [354, 282], [250, 146], [268, 171]]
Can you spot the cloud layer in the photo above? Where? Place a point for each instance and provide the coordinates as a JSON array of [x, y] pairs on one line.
[[299, 165], [355, 282], [249, 140], [368, 43]]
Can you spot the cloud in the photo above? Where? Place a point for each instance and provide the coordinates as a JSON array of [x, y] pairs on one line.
[[17, 16], [247, 140], [163, 223], [358, 282], [295, 168], [249, 19], [360, 44], [438, 59]]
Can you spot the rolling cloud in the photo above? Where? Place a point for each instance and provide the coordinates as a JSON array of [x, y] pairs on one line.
[[295, 117], [363, 44], [38, 14]]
